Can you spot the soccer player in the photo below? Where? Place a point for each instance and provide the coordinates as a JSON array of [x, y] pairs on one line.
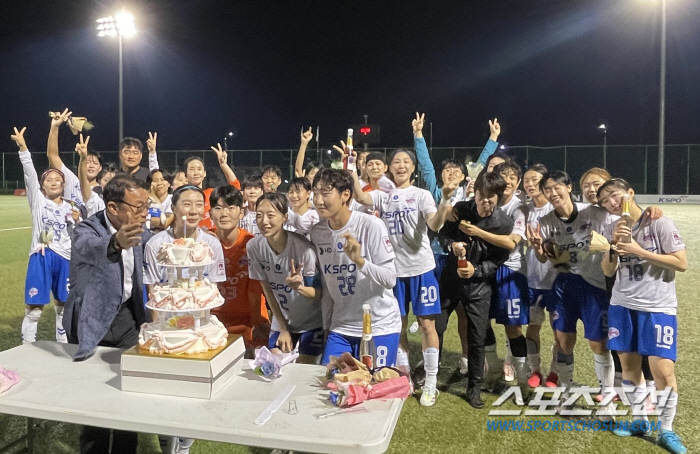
[[179, 179], [361, 166], [300, 170], [540, 277], [580, 293], [591, 180], [272, 178], [252, 188], [642, 314], [244, 311], [301, 216], [357, 261], [285, 263], [471, 285], [376, 169], [160, 199], [53, 219], [408, 213]]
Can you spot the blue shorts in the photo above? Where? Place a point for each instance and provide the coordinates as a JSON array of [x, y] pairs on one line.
[[310, 342], [575, 299], [440, 261], [46, 274], [646, 333], [510, 300], [422, 291], [543, 298], [386, 346]]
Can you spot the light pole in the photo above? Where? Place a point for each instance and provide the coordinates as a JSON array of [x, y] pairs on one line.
[[122, 26], [229, 134], [662, 97], [602, 128]]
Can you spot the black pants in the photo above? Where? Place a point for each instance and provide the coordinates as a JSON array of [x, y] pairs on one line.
[[95, 440]]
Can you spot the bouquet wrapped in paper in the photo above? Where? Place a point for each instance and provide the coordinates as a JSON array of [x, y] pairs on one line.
[[76, 124], [598, 243], [269, 365], [8, 379]]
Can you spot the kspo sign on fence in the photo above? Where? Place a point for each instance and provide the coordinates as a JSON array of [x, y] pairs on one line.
[[656, 198]]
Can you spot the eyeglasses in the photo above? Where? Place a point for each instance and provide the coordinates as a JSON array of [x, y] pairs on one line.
[[137, 209]]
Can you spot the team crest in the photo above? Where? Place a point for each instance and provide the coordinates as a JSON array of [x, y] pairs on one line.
[[220, 268], [569, 229], [677, 240], [340, 246], [586, 225], [395, 198], [387, 244], [411, 200], [613, 333], [33, 292]]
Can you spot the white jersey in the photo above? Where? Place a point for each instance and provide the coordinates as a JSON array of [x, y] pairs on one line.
[[539, 275], [154, 273], [72, 189], [249, 222], [517, 211], [302, 313], [94, 204], [301, 224], [52, 220], [357, 206], [404, 212], [347, 288], [165, 207], [641, 285], [574, 236]]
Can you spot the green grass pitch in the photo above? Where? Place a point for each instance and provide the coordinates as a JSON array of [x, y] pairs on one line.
[[451, 426]]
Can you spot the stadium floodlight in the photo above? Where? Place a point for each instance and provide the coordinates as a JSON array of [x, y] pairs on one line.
[[604, 130], [122, 25]]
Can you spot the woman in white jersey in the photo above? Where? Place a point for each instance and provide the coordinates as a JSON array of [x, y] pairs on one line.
[[357, 263], [285, 263], [301, 216], [309, 170], [642, 315], [53, 219], [252, 189], [580, 293], [540, 277], [408, 212], [160, 206]]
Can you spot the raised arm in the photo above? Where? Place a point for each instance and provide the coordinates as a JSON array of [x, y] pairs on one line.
[[31, 180], [436, 220], [222, 156], [306, 137], [81, 149], [425, 165], [362, 197], [492, 144], [152, 154], [52, 145]]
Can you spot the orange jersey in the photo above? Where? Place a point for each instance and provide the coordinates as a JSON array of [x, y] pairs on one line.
[[206, 222], [236, 313]]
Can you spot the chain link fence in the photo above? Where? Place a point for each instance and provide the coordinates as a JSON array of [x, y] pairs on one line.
[[637, 164]]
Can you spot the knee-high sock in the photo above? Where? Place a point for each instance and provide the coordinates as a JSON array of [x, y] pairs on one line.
[[651, 390], [430, 364], [554, 365], [518, 347], [604, 369], [669, 413], [402, 358], [60, 332], [565, 364], [30, 324], [509, 353], [492, 361], [533, 355]]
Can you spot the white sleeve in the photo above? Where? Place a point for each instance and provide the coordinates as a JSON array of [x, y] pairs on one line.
[[217, 270], [71, 190], [152, 161], [383, 274], [150, 265], [427, 203], [94, 204], [379, 265], [377, 198], [520, 222], [326, 306], [302, 224], [31, 181], [167, 206], [254, 270]]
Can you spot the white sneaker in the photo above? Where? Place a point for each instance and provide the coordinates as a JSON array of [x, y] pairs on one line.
[[429, 396], [463, 365], [508, 372], [183, 445]]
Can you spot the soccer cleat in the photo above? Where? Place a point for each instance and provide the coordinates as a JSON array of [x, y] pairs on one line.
[[430, 393], [552, 380], [463, 365], [535, 379], [620, 432], [671, 442], [599, 398], [606, 413], [508, 372]]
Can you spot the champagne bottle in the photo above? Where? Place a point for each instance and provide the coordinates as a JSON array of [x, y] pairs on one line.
[[462, 262], [350, 161], [368, 352], [626, 219]]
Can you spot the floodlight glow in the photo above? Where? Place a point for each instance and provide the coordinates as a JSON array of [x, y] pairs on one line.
[[602, 127], [230, 134], [503, 147], [122, 24]]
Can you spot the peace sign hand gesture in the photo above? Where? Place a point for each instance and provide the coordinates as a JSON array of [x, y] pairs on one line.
[[151, 142], [220, 154], [82, 146], [417, 123], [495, 128], [18, 137], [60, 118], [295, 279], [534, 238]]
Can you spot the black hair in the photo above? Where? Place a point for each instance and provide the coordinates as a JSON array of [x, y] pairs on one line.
[[110, 167], [187, 187], [190, 159], [339, 180], [253, 181], [539, 168], [490, 184], [559, 176], [96, 154], [311, 166], [130, 141], [274, 169], [509, 165], [115, 190], [375, 156], [410, 154], [166, 176], [277, 200], [498, 154], [614, 183], [301, 183], [228, 194], [452, 162]]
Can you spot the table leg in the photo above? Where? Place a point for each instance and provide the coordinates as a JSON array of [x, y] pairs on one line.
[[30, 435]]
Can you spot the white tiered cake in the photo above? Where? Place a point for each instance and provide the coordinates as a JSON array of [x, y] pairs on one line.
[[185, 324]]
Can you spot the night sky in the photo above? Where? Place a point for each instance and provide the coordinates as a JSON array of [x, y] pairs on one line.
[[551, 71]]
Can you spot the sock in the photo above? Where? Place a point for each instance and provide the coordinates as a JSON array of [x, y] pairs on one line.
[[604, 369], [533, 355], [402, 358], [60, 332], [518, 347], [669, 413], [639, 412], [618, 379], [30, 324], [565, 365], [651, 390], [509, 354], [491, 356], [430, 364], [554, 366]]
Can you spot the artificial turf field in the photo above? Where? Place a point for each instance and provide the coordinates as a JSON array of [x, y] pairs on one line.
[[451, 426]]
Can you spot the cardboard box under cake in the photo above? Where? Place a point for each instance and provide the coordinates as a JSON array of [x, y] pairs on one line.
[[200, 376]]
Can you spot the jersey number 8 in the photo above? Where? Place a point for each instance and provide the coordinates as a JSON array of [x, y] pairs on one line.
[[664, 334], [347, 285]]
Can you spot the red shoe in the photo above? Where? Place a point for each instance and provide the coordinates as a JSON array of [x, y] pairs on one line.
[[535, 379], [599, 398], [552, 380]]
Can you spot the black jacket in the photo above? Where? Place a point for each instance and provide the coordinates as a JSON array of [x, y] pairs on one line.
[[485, 257]]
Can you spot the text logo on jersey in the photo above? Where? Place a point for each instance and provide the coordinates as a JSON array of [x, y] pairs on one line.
[[339, 269], [322, 249]]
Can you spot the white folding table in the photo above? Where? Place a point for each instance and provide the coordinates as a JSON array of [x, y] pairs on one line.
[[53, 387]]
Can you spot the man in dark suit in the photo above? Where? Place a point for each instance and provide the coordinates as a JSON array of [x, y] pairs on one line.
[[105, 304]]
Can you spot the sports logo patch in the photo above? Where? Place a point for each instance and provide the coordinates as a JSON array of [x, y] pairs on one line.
[[613, 333], [396, 197], [340, 246], [387, 244], [411, 200], [586, 225], [568, 230], [220, 268], [33, 292], [677, 240], [243, 261]]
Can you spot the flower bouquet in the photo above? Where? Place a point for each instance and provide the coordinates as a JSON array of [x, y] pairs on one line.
[[8, 379], [269, 365]]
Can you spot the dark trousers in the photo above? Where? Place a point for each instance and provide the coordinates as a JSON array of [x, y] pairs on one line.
[[95, 440]]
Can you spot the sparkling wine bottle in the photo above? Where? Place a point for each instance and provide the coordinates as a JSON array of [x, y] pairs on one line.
[[350, 161], [368, 353], [626, 218]]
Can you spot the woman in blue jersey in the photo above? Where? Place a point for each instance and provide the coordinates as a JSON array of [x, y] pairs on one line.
[[642, 316]]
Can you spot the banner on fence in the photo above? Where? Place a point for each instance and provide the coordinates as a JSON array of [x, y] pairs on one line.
[[666, 198]]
